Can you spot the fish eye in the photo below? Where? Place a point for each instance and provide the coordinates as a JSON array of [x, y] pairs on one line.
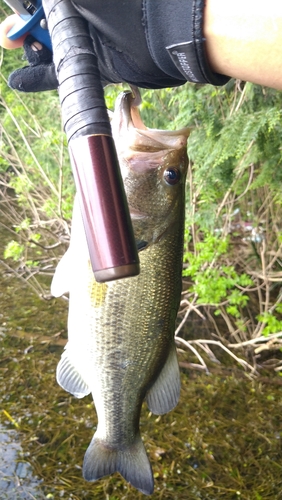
[[172, 175]]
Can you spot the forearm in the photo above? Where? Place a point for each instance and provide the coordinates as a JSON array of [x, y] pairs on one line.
[[244, 39]]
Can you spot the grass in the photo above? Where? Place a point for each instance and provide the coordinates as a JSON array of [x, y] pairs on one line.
[[223, 441]]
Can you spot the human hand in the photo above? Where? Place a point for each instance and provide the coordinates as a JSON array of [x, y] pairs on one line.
[[40, 74]]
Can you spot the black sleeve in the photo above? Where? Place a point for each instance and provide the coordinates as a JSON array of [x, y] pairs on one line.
[[149, 43]]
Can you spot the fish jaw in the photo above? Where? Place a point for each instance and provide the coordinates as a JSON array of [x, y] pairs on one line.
[[131, 134]]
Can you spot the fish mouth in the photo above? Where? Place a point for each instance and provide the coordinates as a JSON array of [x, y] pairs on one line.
[[126, 115], [130, 132]]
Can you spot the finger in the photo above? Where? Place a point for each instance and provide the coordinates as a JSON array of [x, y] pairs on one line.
[[5, 28]]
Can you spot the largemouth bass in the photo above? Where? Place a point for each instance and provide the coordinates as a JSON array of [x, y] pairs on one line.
[[121, 334]]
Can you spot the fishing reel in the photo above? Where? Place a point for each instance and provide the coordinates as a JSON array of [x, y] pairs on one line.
[[31, 20]]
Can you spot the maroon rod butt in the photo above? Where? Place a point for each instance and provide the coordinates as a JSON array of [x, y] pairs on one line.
[[104, 209]]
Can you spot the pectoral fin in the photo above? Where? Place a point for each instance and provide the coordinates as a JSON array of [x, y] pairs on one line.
[[61, 279], [69, 378], [74, 262], [164, 394]]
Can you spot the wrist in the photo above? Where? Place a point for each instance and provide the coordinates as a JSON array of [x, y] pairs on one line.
[[175, 38]]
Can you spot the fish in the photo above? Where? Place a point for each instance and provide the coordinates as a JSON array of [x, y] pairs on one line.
[[121, 334]]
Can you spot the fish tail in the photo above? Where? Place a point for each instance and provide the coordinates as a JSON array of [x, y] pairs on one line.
[[131, 462]]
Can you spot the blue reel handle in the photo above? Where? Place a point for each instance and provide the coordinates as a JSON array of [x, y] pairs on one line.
[[31, 24]]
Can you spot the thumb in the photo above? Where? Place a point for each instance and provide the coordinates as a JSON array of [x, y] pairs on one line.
[[5, 27]]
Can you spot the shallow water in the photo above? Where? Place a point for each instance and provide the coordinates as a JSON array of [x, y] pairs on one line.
[[223, 441], [16, 475]]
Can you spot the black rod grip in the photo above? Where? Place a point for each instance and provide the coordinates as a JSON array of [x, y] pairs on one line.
[[85, 117]]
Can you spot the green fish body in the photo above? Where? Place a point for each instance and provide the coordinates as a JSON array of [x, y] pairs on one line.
[[121, 334]]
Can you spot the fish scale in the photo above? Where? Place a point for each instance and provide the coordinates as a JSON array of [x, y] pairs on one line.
[[121, 334]]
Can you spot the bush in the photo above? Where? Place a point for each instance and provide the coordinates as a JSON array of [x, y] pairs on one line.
[[232, 254]]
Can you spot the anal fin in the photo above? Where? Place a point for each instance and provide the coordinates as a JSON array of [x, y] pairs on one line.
[[163, 396]]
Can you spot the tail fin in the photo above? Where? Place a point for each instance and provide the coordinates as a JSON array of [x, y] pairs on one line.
[[132, 463]]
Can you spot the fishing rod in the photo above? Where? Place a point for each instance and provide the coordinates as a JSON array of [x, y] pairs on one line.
[[99, 185]]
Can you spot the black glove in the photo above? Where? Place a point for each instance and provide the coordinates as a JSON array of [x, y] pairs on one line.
[[147, 43], [40, 74]]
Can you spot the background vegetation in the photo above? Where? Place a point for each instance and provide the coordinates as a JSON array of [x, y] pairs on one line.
[[232, 255]]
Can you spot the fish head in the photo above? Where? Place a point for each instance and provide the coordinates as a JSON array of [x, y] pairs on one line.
[[153, 167]]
